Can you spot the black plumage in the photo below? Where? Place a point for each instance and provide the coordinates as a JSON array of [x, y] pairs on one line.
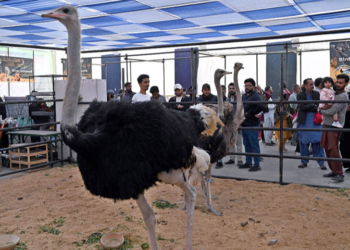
[[122, 147]]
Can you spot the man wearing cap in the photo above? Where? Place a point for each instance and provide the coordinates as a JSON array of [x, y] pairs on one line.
[[110, 95], [179, 97], [156, 96], [207, 95]]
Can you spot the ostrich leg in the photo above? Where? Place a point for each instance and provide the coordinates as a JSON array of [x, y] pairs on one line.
[[176, 178], [149, 218], [210, 207]]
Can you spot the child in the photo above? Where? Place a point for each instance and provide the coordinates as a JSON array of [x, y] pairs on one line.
[[327, 93]]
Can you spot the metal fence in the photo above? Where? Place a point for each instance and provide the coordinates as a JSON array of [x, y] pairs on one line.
[[281, 156]]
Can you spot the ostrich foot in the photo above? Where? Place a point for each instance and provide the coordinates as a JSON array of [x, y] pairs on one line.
[[214, 211]]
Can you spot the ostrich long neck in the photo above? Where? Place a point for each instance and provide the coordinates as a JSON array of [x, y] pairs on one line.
[[220, 98], [74, 75], [239, 102]]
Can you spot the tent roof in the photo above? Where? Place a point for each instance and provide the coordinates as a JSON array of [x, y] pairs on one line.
[[113, 25]]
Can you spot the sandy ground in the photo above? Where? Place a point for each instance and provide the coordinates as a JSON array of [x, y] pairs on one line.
[[298, 216]]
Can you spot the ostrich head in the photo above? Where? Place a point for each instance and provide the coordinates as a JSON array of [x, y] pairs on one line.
[[238, 67], [219, 73], [67, 15]]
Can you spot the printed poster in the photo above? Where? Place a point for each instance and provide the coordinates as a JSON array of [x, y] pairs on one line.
[[86, 71], [14, 69]]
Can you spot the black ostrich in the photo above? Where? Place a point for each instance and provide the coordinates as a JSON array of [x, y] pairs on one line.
[[124, 149]]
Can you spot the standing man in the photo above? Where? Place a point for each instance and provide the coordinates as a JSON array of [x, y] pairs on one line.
[[306, 116], [345, 138], [142, 96], [293, 96], [110, 95], [223, 89], [179, 97], [128, 95], [252, 120], [330, 140], [190, 92], [269, 117], [156, 96], [317, 84], [207, 96], [233, 98]]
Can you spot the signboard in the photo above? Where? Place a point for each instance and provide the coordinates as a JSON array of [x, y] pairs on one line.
[[340, 58], [14, 69], [86, 71]]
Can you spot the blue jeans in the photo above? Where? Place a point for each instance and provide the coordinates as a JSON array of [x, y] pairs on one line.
[[317, 151], [251, 145]]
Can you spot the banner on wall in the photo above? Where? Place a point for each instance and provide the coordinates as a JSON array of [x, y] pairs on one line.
[[14, 69], [86, 70], [340, 58]]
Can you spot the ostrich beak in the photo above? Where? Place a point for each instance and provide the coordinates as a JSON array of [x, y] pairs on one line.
[[227, 73], [53, 15]]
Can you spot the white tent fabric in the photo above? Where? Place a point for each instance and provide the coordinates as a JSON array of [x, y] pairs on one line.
[[109, 25]]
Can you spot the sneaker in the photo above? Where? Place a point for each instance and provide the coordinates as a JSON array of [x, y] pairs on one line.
[[254, 169], [219, 165], [338, 178], [211, 180], [337, 124], [302, 165], [297, 153], [269, 144], [273, 143], [230, 162], [239, 163], [331, 174], [323, 167], [245, 165]]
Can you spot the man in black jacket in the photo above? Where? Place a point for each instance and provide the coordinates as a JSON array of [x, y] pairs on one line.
[[207, 95], [306, 115], [179, 97], [252, 114]]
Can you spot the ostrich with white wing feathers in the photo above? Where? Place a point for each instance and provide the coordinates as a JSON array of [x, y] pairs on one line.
[[117, 155]]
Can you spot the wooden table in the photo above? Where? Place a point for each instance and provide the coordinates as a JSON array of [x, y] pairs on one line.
[[50, 134]]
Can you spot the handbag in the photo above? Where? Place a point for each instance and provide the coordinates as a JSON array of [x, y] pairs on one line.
[[318, 118]]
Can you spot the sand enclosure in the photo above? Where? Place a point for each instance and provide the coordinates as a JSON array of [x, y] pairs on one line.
[[254, 213]]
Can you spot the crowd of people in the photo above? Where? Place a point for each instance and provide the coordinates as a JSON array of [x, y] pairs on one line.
[[297, 114]]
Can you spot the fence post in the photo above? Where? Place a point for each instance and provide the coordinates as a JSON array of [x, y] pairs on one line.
[[193, 82], [280, 140]]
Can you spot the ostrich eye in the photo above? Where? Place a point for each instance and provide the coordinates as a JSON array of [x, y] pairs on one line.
[[66, 10]]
